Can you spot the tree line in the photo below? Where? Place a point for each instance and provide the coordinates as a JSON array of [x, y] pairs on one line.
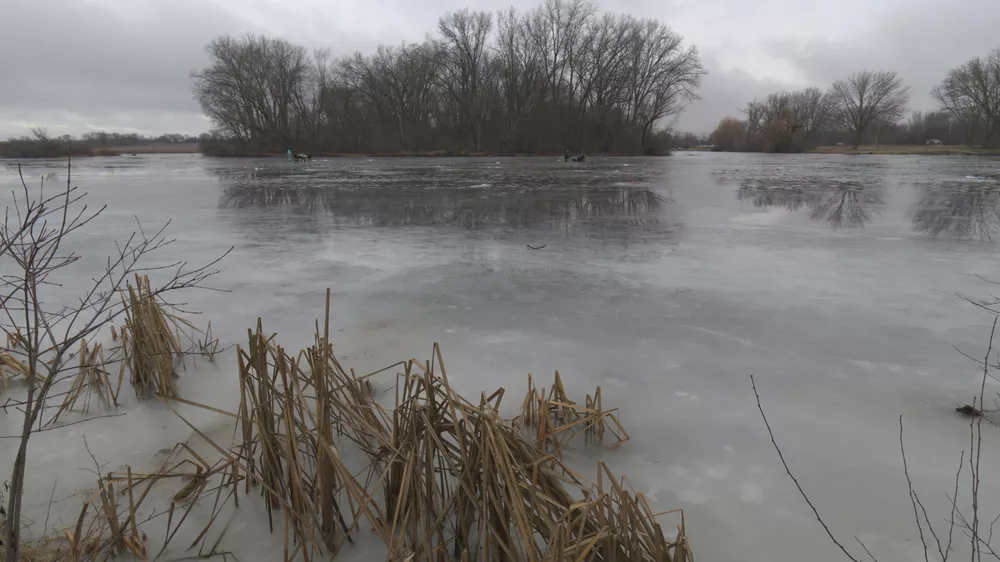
[[869, 106], [561, 76], [42, 145]]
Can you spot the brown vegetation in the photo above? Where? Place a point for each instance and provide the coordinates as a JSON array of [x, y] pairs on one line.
[[443, 477], [45, 336], [729, 135], [787, 121]]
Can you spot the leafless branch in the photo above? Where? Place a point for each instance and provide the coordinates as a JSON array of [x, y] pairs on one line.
[[954, 506], [51, 427], [913, 496], [795, 480], [870, 555]]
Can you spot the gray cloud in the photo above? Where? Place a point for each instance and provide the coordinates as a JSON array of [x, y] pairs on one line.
[[84, 65], [723, 93], [79, 65], [919, 40]]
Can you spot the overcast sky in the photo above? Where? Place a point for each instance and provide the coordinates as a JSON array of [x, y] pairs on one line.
[[74, 66]]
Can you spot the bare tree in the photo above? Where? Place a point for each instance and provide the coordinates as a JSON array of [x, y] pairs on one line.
[[787, 121], [397, 82], [466, 68], [816, 112], [555, 77], [519, 68], [32, 240], [309, 99], [250, 87], [661, 75], [971, 93], [602, 70], [40, 133], [866, 98]]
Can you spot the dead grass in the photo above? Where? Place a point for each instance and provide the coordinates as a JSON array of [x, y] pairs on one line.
[[92, 382], [924, 150], [557, 420], [440, 477], [151, 341], [445, 478], [11, 365]]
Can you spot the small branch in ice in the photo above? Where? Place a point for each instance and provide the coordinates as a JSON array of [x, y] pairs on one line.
[[795, 480], [45, 527], [913, 498], [530, 247], [50, 428]]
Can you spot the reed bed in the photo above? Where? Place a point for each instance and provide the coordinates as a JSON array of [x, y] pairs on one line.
[[110, 525], [557, 420], [208, 345], [10, 365], [443, 478], [92, 383], [151, 341], [434, 475]]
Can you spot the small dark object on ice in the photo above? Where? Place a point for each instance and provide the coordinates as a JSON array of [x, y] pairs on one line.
[[969, 410], [530, 247]]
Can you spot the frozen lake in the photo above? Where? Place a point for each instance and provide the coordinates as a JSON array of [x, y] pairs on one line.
[[667, 282]]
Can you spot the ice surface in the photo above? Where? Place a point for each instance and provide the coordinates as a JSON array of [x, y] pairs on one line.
[[666, 281]]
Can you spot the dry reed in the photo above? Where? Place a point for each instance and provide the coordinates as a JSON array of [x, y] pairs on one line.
[[445, 478], [440, 477], [557, 420], [150, 341], [92, 381], [10, 365], [109, 524]]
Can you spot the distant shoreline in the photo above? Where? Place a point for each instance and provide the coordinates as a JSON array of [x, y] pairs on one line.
[[911, 150], [886, 150], [192, 148], [444, 154]]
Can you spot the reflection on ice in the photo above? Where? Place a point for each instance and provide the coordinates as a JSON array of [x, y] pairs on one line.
[[967, 209], [838, 203], [426, 197]]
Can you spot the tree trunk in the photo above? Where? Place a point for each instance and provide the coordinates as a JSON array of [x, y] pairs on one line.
[[402, 135], [989, 140], [858, 137], [645, 133], [16, 492]]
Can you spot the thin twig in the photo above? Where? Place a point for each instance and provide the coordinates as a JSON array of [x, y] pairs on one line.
[[60, 426], [913, 501], [954, 507], [97, 465], [48, 511], [977, 444], [795, 480], [870, 555]]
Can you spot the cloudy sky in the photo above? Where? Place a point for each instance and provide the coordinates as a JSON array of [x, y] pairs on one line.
[[74, 66]]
